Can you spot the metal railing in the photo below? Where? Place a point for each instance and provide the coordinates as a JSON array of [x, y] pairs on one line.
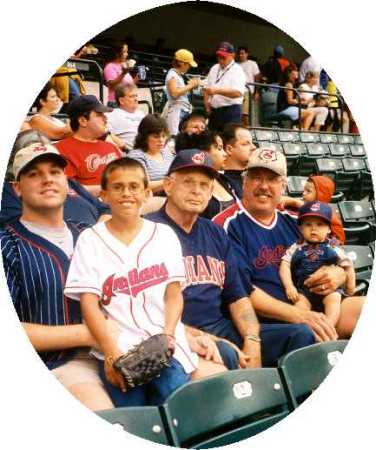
[[297, 92]]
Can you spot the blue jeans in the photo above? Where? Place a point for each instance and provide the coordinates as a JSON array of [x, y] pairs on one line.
[[277, 339], [153, 393]]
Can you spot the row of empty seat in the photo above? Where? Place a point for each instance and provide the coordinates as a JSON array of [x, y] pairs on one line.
[[232, 406]]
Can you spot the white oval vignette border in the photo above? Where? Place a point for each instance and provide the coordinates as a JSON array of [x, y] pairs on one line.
[[36, 38]]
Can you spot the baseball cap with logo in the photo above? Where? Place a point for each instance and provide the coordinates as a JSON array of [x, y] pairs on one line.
[[316, 209], [31, 153], [224, 49], [85, 104], [185, 56], [193, 159], [268, 159]]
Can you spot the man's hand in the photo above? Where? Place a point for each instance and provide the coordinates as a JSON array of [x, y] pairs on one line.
[[319, 323], [252, 350], [326, 280], [111, 374], [205, 347]]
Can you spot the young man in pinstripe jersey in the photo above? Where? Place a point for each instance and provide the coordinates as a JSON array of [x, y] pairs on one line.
[[36, 253]]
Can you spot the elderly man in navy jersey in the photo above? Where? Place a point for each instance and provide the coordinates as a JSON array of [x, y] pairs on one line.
[[260, 234], [36, 253], [215, 301]]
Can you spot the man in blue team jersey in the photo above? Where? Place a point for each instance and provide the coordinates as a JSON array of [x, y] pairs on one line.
[[260, 234], [215, 301], [36, 252]]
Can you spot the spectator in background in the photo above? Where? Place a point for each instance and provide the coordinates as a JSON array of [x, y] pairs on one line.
[[86, 153], [224, 90], [117, 71], [195, 123], [336, 117], [79, 205], [238, 145], [316, 104], [272, 70], [48, 103], [308, 65], [178, 107], [288, 100], [124, 120], [252, 74], [151, 150]]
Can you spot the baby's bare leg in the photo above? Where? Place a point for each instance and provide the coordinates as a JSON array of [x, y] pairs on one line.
[[332, 305]]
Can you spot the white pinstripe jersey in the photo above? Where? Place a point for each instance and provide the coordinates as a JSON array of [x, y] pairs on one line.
[[131, 281], [36, 271]]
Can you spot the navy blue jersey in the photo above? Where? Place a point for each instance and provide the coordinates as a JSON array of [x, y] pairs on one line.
[[36, 270], [259, 248], [80, 205], [212, 279]]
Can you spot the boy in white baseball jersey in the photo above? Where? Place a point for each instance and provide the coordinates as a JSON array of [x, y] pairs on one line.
[[130, 269]]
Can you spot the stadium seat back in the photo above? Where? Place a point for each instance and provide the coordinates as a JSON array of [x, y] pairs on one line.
[[303, 370], [345, 139], [357, 150], [270, 145], [307, 137], [288, 136], [295, 185], [225, 408], [144, 422], [317, 149], [327, 138], [357, 211], [339, 150], [265, 135]]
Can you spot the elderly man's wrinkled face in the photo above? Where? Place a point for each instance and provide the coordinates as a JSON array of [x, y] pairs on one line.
[[189, 190], [263, 190]]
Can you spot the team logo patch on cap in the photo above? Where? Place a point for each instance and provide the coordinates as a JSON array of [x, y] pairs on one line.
[[199, 158], [268, 155], [315, 207]]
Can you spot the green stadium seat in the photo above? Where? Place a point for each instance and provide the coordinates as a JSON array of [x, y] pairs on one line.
[[307, 136], [359, 222], [317, 149], [328, 166], [345, 139], [357, 151], [339, 150], [270, 145], [266, 135], [288, 136], [144, 422], [362, 258], [294, 148], [295, 185], [327, 138], [358, 139], [303, 370], [225, 408]]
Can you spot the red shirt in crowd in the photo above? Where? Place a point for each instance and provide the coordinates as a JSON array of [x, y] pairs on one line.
[[87, 160]]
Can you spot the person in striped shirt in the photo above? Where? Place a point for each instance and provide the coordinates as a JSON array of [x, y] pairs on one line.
[[36, 250]]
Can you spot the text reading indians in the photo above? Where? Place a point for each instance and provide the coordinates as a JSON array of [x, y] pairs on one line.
[[135, 282], [197, 271]]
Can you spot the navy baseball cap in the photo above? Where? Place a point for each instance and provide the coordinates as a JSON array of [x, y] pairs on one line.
[[193, 159], [316, 209], [278, 50], [224, 49], [85, 104]]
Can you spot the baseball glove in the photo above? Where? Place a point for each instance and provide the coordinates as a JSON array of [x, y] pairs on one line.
[[145, 361]]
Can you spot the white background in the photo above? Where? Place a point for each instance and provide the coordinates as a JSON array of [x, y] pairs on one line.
[[36, 37]]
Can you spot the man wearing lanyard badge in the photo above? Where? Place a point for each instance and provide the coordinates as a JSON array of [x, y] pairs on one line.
[[224, 90]]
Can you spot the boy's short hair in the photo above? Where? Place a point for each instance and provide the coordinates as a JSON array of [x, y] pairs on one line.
[[123, 163]]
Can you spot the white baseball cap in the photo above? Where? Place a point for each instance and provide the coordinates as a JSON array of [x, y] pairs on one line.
[[33, 151], [268, 159]]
